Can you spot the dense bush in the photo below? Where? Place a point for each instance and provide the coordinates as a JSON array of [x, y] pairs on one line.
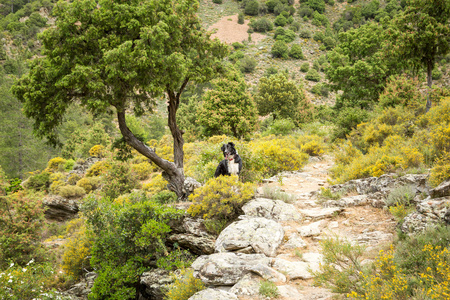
[[184, 286], [247, 64], [98, 168], [157, 184], [284, 35], [142, 170], [280, 127], [220, 198], [55, 164], [296, 52], [320, 20], [280, 20], [241, 18], [312, 75], [279, 49], [89, 184], [165, 197], [127, 237], [252, 8], [316, 5], [304, 67], [38, 182], [261, 25], [71, 191], [401, 90], [97, 151], [119, 180], [21, 225]]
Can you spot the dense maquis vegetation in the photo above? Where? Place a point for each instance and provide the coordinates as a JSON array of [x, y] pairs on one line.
[[103, 62]]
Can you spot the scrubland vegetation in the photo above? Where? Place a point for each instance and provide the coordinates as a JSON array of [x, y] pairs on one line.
[[268, 101]]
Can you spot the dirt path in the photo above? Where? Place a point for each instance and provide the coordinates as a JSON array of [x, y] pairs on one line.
[[363, 225]]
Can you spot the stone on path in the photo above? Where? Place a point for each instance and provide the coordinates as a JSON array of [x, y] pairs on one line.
[[312, 229], [294, 269], [226, 268], [262, 234], [272, 209], [247, 286], [321, 213], [213, 294]]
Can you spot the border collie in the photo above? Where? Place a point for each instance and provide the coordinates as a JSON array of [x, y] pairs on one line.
[[232, 164]]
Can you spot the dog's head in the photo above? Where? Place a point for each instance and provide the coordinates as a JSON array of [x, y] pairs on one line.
[[228, 149]]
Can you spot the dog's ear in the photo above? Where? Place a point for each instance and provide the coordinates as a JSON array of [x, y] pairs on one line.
[[231, 144], [222, 148]]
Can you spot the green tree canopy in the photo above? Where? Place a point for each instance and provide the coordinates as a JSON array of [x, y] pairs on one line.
[[120, 54], [422, 33], [281, 97], [228, 108]]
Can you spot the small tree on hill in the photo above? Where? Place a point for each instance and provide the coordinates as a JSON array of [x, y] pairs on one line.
[[120, 54], [281, 97], [228, 108]]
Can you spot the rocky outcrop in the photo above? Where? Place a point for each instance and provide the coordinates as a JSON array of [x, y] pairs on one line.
[[60, 208], [428, 213], [260, 234], [443, 190], [220, 269], [271, 209], [82, 288]]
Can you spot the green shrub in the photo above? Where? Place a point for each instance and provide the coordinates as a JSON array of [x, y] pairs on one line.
[[251, 8], [440, 171], [184, 286], [320, 20], [268, 289], [142, 170], [280, 49], [280, 20], [217, 1], [247, 64], [220, 198], [436, 74], [401, 90], [68, 166], [76, 253], [295, 26], [280, 127], [127, 238], [156, 184], [73, 178], [22, 219], [296, 52], [287, 35], [277, 194], [305, 33], [304, 67], [312, 75], [55, 186], [71, 191], [402, 195], [237, 45], [305, 12], [98, 168], [119, 180], [261, 25], [317, 5], [235, 56], [241, 18], [347, 120], [38, 182], [214, 226], [165, 197]]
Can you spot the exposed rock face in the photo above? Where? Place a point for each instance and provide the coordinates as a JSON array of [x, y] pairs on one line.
[[294, 269], [429, 212], [348, 201], [81, 168], [321, 213], [191, 234], [261, 234], [443, 190], [190, 184], [213, 294], [60, 208], [226, 268], [247, 286], [154, 283], [271, 209]]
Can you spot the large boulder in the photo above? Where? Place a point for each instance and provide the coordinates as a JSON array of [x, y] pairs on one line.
[[82, 288], [428, 213], [271, 209], [226, 268], [60, 208], [261, 234]]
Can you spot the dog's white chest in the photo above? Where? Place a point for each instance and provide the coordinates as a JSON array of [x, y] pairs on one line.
[[233, 168]]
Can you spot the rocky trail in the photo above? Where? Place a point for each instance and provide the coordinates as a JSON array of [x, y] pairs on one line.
[[288, 237]]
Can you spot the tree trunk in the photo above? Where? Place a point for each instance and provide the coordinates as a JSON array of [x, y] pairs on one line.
[[171, 172], [429, 83]]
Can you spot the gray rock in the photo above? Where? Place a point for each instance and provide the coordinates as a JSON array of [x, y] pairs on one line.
[[82, 288], [226, 268], [441, 190], [213, 294], [289, 292], [190, 184], [351, 201], [321, 213], [293, 269], [268, 273], [429, 213], [197, 244], [295, 241], [155, 281], [373, 237], [60, 208], [312, 229], [262, 234], [247, 286], [271, 209]]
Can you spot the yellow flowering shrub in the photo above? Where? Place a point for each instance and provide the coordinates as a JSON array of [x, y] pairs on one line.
[[97, 169], [142, 170], [56, 185], [314, 148], [156, 184], [220, 198], [73, 179], [184, 286], [97, 151], [76, 252], [387, 282], [440, 171], [436, 278], [71, 191], [89, 184], [55, 164]]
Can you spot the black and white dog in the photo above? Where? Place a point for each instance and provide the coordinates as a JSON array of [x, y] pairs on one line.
[[232, 164]]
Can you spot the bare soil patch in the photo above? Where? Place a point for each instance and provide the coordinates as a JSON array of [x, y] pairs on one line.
[[229, 31]]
